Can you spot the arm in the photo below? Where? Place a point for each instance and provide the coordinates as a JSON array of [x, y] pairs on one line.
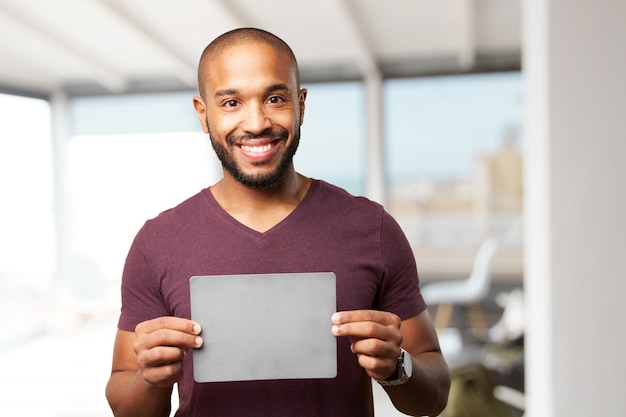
[[147, 363], [376, 339]]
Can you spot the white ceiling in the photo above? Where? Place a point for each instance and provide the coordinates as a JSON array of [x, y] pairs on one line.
[[116, 46]]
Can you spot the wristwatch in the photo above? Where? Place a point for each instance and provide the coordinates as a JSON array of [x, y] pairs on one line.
[[404, 369]]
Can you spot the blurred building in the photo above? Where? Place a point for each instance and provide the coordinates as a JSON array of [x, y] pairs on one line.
[[497, 178], [446, 219]]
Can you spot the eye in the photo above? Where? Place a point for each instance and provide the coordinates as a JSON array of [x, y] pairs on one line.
[[231, 103], [275, 100]]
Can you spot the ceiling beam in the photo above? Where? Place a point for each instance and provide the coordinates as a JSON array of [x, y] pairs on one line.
[[375, 181], [467, 32], [103, 75], [237, 15], [365, 59], [185, 70]]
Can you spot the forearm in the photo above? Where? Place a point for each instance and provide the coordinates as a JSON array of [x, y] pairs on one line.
[[130, 395], [426, 393]]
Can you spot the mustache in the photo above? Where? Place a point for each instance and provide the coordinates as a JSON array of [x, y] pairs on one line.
[[281, 134]]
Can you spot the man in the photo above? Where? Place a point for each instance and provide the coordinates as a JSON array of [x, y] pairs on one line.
[[264, 217]]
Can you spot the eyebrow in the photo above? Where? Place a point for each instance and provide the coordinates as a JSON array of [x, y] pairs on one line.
[[277, 87], [269, 89], [225, 92]]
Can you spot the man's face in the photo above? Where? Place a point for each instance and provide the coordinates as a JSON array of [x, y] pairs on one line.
[[252, 111]]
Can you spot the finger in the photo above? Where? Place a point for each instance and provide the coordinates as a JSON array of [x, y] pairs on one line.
[[368, 330], [359, 330], [376, 348], [164, 376], [377, 368], [383, 317], [160, 356], [167, 337], [169, 322]]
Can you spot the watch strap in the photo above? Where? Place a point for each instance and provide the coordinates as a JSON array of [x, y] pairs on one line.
[[399, 377]]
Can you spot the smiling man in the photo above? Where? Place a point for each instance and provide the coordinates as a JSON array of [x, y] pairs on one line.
[[264, 217]]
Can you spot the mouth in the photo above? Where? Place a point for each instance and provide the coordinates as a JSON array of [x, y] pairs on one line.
[[256, 149], [259, 148]]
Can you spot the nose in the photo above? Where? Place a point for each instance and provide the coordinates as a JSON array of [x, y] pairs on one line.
[[255, 119]]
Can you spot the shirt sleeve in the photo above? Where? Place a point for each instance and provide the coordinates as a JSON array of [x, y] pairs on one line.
[[400, 286], [141, 293]]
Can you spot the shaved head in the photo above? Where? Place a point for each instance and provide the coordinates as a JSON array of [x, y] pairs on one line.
[[238, 37]]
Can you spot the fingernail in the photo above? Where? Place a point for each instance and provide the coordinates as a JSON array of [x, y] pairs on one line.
[[199, 341], [196, 328], [335, 330]]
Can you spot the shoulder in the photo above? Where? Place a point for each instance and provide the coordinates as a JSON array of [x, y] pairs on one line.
[[340, 210], [358, 210], [188, 211], [330, 194]]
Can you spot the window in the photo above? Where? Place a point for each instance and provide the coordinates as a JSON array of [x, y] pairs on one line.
[[332, 147], [27, 234], [27, 243], [117, 182], [454, 158], [454, 155]]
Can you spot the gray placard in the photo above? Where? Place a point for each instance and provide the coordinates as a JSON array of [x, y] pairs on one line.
[[264, 326]]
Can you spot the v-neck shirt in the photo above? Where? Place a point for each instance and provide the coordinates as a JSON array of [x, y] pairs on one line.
[[329, 231]]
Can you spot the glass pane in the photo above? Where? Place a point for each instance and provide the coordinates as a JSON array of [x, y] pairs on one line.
[[117, 182], [27, 226], [27, 235], [454, 149], [332, 147]]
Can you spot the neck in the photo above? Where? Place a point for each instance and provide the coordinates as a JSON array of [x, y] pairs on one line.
[[261, 209]]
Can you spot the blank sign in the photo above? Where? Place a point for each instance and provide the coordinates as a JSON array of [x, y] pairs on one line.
[[264, 326]]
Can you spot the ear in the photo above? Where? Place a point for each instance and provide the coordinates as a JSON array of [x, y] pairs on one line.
[[301, 101], [198, 104]]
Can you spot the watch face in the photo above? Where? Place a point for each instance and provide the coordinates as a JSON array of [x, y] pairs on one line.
[[408, 364]]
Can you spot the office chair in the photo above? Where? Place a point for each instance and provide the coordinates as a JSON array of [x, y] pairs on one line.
[[470, 291]]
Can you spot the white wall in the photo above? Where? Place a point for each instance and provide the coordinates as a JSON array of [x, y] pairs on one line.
[[575, 69]]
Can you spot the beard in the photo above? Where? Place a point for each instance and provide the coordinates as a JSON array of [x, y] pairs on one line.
[[257, 181]]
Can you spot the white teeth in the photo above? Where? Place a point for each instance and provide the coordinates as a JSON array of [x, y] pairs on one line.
[[256, 149]]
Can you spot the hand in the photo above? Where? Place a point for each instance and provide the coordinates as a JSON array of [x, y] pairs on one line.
[[161, 345], [375, 337]]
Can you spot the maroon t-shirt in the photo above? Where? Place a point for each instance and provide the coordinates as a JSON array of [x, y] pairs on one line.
[[330, 230]]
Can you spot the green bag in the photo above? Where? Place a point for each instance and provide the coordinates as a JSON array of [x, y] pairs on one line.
[[471, 395]]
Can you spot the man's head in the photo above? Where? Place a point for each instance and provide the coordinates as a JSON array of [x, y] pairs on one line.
[[251, 105], [242, 36]]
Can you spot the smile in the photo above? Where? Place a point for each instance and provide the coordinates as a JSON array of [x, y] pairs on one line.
[[257, 149]]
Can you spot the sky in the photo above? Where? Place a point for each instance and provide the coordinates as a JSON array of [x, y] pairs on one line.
[[434, 126]]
